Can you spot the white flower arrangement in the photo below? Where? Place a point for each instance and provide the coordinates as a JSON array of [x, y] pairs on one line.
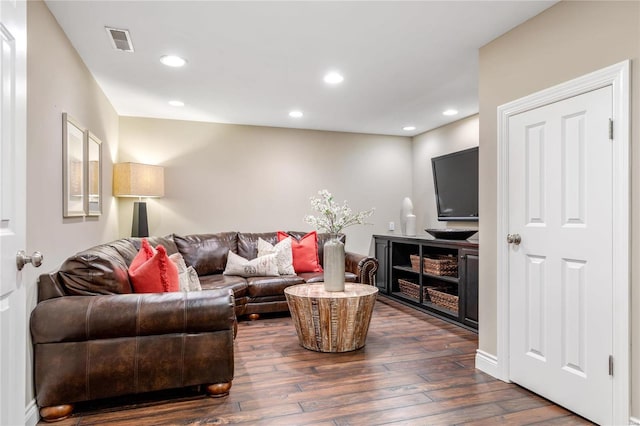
[[333, 218]]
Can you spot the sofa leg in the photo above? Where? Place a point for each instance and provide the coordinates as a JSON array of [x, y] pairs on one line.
[[218, 390], [56, 412], [254, 317]]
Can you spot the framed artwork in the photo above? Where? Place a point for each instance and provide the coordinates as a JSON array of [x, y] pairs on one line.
[[73, 170], [93, 165]]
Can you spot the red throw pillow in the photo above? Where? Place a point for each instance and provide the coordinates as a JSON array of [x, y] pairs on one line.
[[305, 252], [145, 253], [152, 271]]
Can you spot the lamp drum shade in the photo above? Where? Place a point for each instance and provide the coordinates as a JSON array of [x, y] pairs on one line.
[[138, 180]]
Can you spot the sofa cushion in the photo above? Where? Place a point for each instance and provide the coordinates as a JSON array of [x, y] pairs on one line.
[[152, 271], [271, 286], [99, 270], [167, 242], [248, 243], [265, 266], [284, 255], [305, 251], [207, 253], [126, 249], [238, 284]]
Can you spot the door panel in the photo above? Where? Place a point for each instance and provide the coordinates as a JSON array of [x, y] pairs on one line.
[[535, 314], [534, 173], [573, 167], [560, 275], [574, 320]]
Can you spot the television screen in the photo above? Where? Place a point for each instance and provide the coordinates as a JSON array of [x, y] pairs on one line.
[[455, 177]]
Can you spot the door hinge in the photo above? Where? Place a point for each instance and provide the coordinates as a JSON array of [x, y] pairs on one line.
[[610, 129], [611, 365]]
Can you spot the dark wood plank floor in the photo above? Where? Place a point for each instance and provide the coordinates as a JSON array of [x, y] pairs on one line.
[[414, 370]]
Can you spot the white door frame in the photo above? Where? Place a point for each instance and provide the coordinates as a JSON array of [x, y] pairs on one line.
[[616, 76]]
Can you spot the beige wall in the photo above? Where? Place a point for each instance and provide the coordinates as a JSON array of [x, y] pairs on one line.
[[456, 136], [566, 41], [221, 177], [57, 82]]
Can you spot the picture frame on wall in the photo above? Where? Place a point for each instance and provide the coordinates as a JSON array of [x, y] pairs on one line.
[[73, 167], [93, 172]]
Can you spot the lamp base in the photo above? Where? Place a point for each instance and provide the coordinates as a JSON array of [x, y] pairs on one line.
[[139, 227]]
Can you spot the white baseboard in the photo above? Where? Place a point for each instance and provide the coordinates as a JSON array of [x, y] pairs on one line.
[[31, 415], [634, 421], [487, 363]]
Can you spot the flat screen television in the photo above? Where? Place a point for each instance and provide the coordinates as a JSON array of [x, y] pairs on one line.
[[455, 177]]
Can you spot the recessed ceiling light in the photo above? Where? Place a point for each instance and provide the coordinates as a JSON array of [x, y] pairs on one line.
[[172, 61], [296, 114], [333, 78], [176, 103], [450, 112], [409, 128]]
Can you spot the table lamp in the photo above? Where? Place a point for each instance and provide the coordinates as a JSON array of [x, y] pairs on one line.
[[141, 181]]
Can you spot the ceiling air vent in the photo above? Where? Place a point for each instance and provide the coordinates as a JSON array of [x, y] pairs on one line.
[[120, 39]]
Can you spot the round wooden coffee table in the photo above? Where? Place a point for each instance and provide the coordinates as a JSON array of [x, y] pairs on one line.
[[335, 321]]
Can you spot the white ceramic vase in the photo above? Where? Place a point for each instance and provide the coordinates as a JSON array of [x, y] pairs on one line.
[[411, 225], [333, 264], [407, 208]]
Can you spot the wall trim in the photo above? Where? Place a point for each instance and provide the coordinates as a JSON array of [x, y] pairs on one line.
[[618, 77], [31, 415], [487, 363]]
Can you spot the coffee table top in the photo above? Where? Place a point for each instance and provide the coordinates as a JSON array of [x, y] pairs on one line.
[[316, 290]]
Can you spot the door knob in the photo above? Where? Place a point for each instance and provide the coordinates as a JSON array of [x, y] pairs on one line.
[[514, 239], [22, 259]]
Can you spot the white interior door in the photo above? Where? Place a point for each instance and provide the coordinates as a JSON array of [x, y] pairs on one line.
[[13, 316], [560, 274]]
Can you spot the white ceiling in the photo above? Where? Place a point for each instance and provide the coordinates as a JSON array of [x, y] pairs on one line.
[[253, 62]]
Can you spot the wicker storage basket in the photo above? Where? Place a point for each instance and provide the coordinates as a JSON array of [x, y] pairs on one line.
[[441, 265], [445, 300], [411, 289], [415, 262]]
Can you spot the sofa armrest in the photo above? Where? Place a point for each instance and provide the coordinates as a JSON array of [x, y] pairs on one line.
[[82, 318], [49, 287], [364, 267]]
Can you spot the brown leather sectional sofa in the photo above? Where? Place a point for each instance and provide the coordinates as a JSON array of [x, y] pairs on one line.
[[94, 338]]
